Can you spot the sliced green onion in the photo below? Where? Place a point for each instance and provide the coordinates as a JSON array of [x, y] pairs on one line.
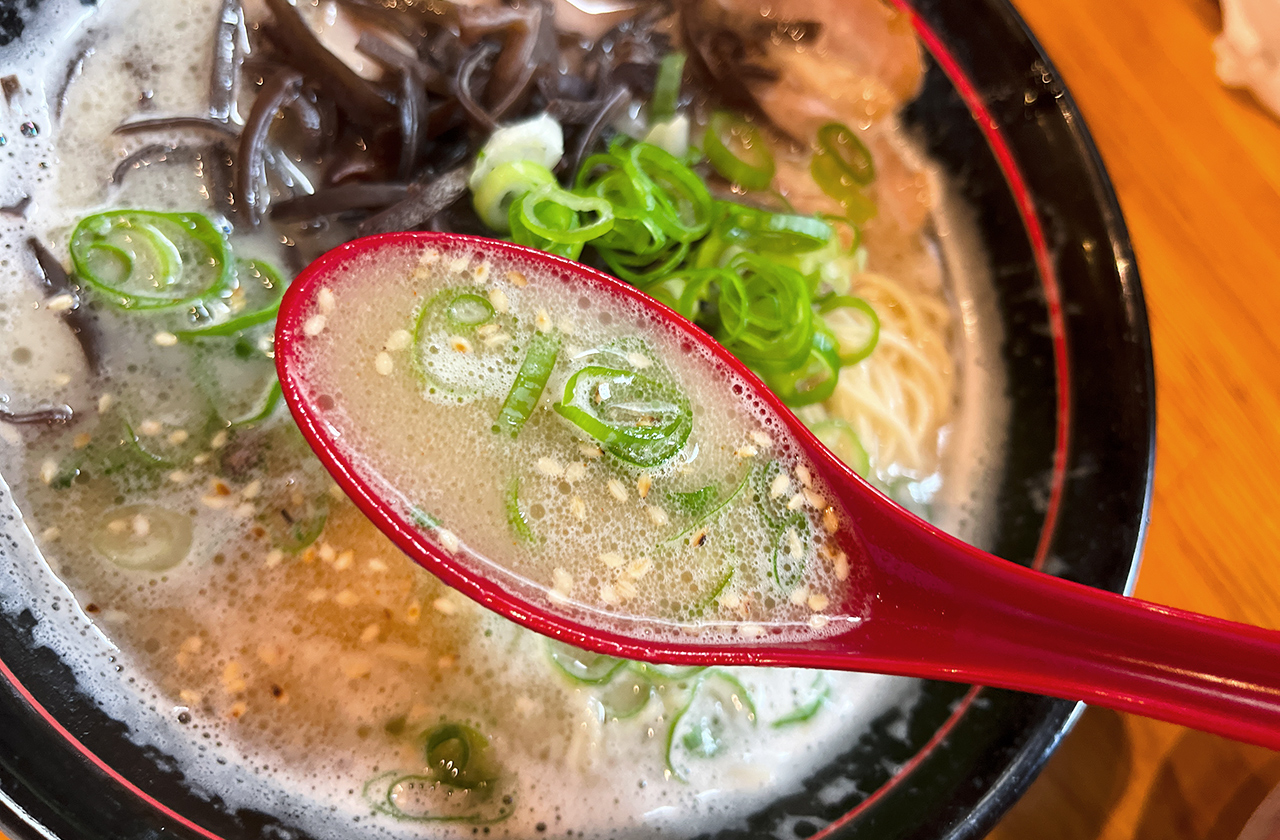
[[505, 184], [454, 313], [533, 216], [711, 513], [855, 354], [516, 518], [766, 319], [666, 88], [830, 174], [849, 154], [738, 151], [626, 696], [815, 380], [787, 570], [842, 440], [456, 756], [666, 673], [581, 665], [702, 729], [423, 519], [700, 607], [693, 502], [805, 712], [782, 233], [247, 271], [531, 379], [635, 418], [144, 260]]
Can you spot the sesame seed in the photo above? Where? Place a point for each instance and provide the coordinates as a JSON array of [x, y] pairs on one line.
[[616, 490], [48, 470], [164, 339], [549, 467], [830, 522], [818, 602], [252, 489], [51, 533], [750, 631], [460, 264], [639, 568], [314, 325], [498, 299], [609, 595], [657, 515], [383, 364], [699, 538], [150, 428], [82, 440], [60, 303], [398, 340], [517, 279], [446, 662], [219, 440], [730, 600], [61, 379], [448, 540], [274, 558], [561, 582], [818, 622], [626, 589], [799, 595], [117, 526], [429, 257], [356, 668], [238, 709], [201, 459], [104, 403], [747, 451], [497, 340], [370, 633], [643, 483], [444, 606], [761, 439], [578, 508], [460, 344], [780, 486], [795, 502], [802, 473], [413, 613], [840, 562], [216, 502], [639, 360], [376, 565], [814, 499], [325, 300], [245, 510], [141, 526], [178, 437], [327, 552], [567, 327], [346, 598], [344, 560], [481, 272], [589, 451], [486, 330], [795, 548], [542, 321], [575, 471], [612, 559]]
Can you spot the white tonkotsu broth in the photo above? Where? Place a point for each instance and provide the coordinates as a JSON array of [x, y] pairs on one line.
[[302, 666]]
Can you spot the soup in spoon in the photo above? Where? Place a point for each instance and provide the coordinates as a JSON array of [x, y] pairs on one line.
[[561, 439]]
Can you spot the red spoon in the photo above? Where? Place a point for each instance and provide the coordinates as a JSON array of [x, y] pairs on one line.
[[928, 605]]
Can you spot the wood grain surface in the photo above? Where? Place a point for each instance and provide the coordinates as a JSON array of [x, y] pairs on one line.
[[1197, 169]]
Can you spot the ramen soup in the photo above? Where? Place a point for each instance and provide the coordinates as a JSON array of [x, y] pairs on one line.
[[169, 167], [608, 462]]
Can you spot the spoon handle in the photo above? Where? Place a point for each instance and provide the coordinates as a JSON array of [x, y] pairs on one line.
[[953, 612]]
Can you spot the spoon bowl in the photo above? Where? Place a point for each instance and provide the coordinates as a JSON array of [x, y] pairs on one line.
[[918, 602]]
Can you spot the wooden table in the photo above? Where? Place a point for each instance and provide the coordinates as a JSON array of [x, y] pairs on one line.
[[1197, 169]]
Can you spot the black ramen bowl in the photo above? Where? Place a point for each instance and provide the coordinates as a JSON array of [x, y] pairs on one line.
[[1072, 497]]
